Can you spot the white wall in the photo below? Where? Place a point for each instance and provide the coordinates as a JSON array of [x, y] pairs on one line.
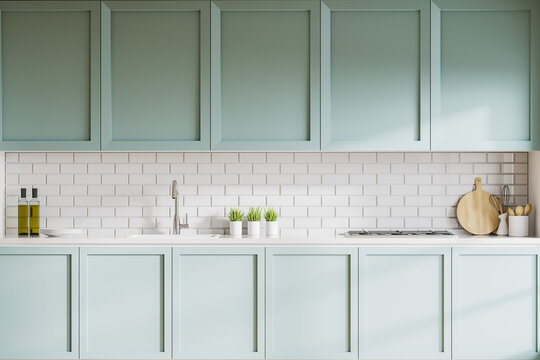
[[317, 194], [534, 190]]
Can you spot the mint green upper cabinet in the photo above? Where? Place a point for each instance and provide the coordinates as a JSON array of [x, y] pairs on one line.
[[312, 303], [49, 75], [39, 303], [265, 75], [485, 75], [375, 74], [125, 303], [405, 303], [218, 297], [155, 75], [495, 303]]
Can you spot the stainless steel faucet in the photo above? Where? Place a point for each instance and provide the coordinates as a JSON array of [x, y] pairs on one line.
[[177, 225]]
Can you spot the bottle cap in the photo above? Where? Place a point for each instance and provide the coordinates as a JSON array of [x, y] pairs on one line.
[[23, 193], [34, 193]]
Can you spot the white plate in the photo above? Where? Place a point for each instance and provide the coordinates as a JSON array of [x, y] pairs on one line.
[[61, 232]]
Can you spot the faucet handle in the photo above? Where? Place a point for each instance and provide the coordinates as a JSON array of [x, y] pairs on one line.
[[184, 225]]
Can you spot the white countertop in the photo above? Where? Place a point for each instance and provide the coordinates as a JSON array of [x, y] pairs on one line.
[[161, 240]]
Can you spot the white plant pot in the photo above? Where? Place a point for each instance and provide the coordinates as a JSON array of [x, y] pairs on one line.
[[518, 225], [254, 228], [272, 228], [235, 228]]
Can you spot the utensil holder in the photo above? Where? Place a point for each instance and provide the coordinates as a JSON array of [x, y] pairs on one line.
[[518, 226]]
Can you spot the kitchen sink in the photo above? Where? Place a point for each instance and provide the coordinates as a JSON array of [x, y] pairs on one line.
[[180, 236]]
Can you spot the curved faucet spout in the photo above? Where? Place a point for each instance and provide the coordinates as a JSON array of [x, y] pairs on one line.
[[176, 219]]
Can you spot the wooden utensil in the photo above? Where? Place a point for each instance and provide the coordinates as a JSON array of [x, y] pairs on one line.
[[475, 213], [518, 210], [510, 212], [528, 209]]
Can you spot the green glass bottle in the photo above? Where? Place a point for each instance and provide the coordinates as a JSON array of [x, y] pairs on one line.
[[34, 213], [23, 214]]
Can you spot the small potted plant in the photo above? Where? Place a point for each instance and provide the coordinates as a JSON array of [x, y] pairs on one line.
[[254, 221], [235, 222], [271, 216]]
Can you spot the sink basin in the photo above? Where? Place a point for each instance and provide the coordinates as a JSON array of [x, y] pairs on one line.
[[181, 236]]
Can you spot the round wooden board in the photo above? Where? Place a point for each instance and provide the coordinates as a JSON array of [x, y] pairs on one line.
[[475, 213]]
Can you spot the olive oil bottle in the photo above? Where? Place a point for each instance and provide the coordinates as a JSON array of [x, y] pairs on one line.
[[23, 214], [34, 213]]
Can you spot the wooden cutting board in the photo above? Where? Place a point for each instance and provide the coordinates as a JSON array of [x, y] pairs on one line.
[[475, 213]]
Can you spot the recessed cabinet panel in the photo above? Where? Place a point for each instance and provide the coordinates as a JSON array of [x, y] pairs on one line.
[[375, 74], [486, 75], [495, 303], [265, 75], [156, 75], [312, 303], [39, 303], [49, 75], [125, 303], [219, 303], [404, 303]]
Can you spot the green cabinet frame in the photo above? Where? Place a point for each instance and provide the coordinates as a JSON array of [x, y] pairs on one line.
[[405, 303], [49, 89], [492, 104], [495, 303], [354, 92], [190, 113], [242, 130], [38, 284], [138, 279], [226, 317], [322, 322]]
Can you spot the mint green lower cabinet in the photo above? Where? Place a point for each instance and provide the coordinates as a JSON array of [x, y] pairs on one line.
[[405, 303], [312, 303], [495, 303], [39, 303], [218, 303], [125, 303]]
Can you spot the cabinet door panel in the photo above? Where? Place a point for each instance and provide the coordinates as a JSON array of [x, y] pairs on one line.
[[39, 303], [312, 297], [218, 303], [495, 303], [375, 89], [49, 75], [404, 303], [485, 75], [156, 79], [265, 75], [125, 303]]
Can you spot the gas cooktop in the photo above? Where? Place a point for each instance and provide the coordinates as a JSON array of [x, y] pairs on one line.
[[358, 233]]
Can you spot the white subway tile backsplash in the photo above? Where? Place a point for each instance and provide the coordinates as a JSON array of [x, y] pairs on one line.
[[114, 158], [145, 158], [418, 158], [390, 157], [316, 194], [32, 158], [280, 158], [307, 157], [363, 158]]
